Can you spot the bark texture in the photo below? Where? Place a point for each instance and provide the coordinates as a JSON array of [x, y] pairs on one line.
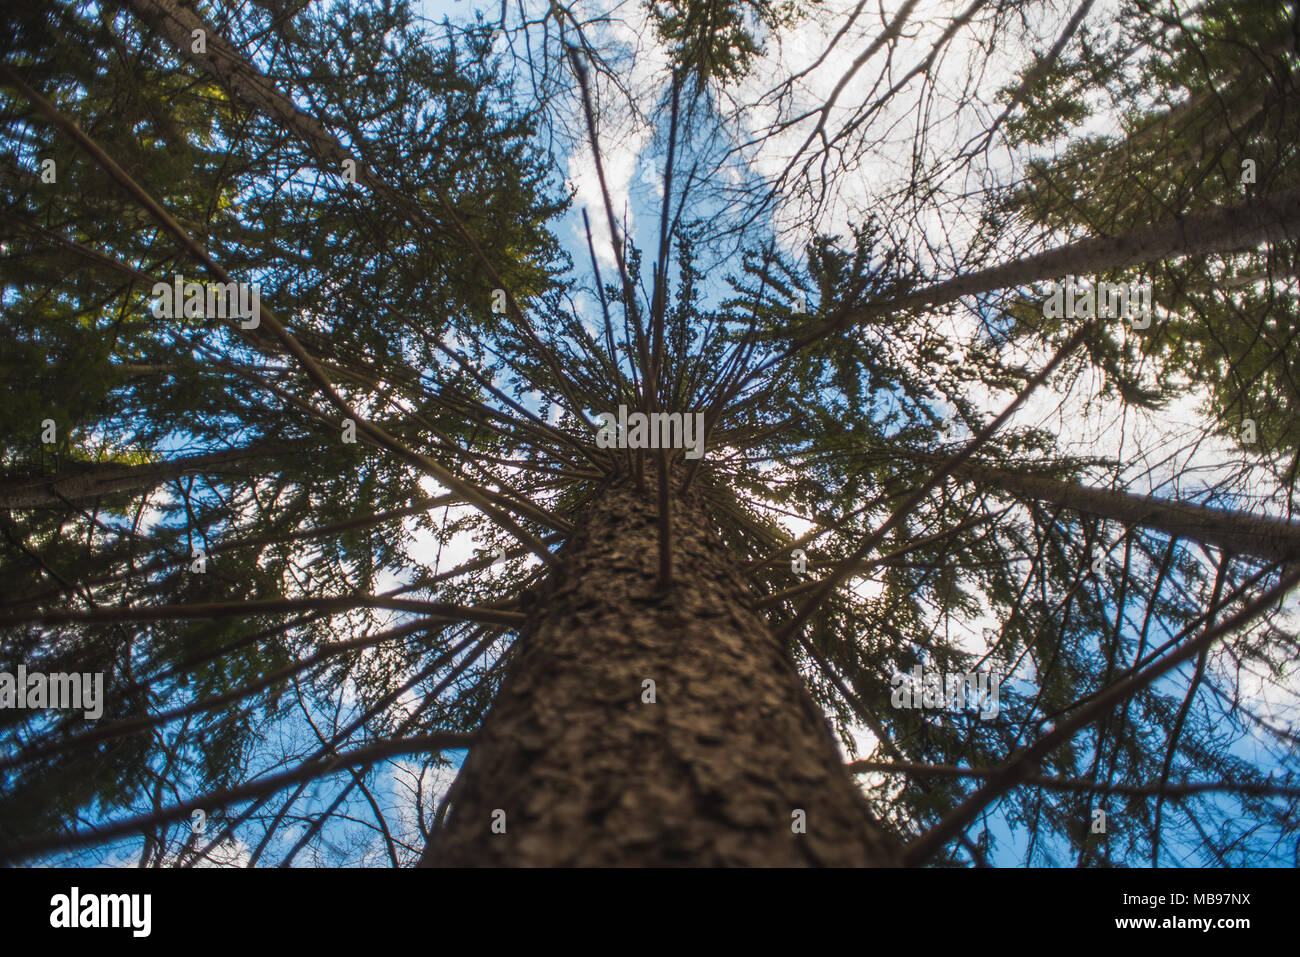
[[710, 774]]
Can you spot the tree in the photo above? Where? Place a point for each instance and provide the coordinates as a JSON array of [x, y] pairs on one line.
[[726, 502], [1211, 124]]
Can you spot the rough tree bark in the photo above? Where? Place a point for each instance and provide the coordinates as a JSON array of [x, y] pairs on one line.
[[711, 773]]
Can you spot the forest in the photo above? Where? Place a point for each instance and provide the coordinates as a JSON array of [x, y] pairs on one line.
[[649, 433]]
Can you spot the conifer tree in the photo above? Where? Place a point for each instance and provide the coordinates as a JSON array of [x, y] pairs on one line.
[[652, 656]]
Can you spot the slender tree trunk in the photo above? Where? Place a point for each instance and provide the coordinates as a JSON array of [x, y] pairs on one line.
[[98, 480], [232, 69], [1238, 532], [732, 764], [1271, 218]]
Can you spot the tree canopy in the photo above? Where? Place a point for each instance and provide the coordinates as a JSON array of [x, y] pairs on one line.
[[301, 542]]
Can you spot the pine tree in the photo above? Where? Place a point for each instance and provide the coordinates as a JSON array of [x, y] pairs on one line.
[[645, 664]]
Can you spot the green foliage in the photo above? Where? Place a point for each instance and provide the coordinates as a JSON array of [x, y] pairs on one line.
[[718, 39], [373, 297], [833, 424], [1193, 106]]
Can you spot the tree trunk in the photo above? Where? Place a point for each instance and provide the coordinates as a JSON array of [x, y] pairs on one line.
[[580, 769], [1238, 532], [233, 70], [99, 480], [1272, 218]]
